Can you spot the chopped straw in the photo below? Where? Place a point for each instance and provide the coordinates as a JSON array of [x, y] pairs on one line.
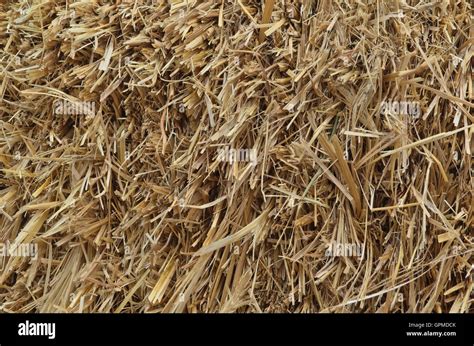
[[236, 156]]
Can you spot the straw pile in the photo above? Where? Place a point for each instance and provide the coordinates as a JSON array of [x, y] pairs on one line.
[[219, 156]]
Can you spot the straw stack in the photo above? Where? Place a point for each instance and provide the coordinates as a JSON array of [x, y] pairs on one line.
[[237, 156]]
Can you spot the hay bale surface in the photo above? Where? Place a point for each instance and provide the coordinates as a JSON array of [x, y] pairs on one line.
[[237, 156]]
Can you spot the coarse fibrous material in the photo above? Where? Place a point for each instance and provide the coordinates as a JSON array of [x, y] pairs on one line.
[[236, 156]]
